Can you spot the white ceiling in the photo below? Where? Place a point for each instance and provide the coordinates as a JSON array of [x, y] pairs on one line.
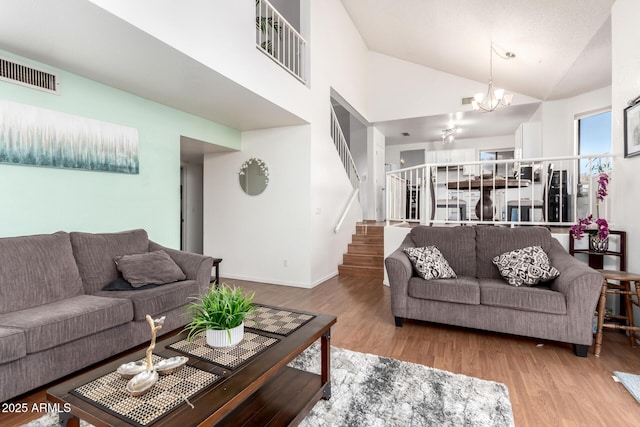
[[80, 37], [562, 47], [472, 124]]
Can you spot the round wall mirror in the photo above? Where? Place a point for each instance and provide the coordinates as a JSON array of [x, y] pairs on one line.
[[254, 176]]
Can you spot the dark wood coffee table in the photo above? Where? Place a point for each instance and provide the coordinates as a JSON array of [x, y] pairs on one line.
[[263, 391]]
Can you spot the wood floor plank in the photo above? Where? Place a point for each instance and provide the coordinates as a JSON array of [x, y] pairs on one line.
[[548, 385]]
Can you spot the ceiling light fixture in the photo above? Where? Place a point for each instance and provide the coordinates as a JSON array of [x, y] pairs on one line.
[[449, 134], [494, 99]]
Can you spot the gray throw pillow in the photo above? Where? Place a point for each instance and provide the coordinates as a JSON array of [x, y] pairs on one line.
[[527, 266], [155, 267], [429, 263]]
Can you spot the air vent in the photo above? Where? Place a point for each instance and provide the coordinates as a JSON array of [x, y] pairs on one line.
[[14, 72], [467, 101]]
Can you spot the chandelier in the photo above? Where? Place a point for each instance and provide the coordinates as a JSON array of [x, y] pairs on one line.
[[449, 134], [494, 99]]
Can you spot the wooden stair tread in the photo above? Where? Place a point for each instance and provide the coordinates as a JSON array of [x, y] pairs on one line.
[[360, 249], [367, 238], [365, 255], [362, 260], [352, 270], [369, 230]]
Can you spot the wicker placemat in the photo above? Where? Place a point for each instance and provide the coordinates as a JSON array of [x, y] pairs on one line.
[[109, 393], [275, 320], [229, 357]]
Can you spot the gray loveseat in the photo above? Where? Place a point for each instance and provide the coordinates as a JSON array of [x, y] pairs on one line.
[[559, 310], [56, 319]]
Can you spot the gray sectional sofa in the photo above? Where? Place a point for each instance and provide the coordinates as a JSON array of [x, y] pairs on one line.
[[56, 319], [559, 310]]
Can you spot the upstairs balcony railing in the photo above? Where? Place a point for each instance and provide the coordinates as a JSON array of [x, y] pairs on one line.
[[542, 191], [279, 40]]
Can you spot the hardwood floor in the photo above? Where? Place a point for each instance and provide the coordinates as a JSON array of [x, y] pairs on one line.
[[548, 385]]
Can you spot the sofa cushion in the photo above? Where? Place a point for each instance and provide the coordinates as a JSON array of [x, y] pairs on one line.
[[156, 268], [463, 290], [121, 284], [13, 345], [498, 293], [492, 241], [63, 321], [429, 263], [95, 254], [36, 270], [157, 300], [526, 266], [457, 245]]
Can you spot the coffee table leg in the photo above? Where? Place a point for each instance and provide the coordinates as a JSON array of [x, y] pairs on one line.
[[68, 420], [325, 353]]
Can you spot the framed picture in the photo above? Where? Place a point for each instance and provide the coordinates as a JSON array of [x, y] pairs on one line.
[[632, 130]]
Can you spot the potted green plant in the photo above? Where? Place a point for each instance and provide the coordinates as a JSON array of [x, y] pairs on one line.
[[220, 314]]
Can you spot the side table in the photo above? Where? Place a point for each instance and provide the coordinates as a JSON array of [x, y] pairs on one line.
[[623, 289], [216, 264]]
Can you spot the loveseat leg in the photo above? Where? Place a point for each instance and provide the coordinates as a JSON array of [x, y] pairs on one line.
[[399, 321], [580, 350]]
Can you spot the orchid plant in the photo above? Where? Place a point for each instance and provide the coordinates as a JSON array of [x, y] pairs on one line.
[[602, 226]]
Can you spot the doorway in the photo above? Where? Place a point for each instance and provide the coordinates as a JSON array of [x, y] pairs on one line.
[[192, 153]]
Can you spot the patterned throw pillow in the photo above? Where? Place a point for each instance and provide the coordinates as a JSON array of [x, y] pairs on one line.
[[429, 263], [526, 266]]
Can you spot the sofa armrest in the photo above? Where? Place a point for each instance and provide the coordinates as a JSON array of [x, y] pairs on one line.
[[580, 284], [195, 266], [399, 270]]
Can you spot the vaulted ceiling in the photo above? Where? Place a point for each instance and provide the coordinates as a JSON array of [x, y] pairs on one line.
[[562, 47]]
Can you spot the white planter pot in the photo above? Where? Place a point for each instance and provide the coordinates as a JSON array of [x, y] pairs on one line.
[[220, 338]]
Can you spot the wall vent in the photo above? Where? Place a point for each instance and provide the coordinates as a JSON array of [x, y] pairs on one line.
[[467, 101], [25, 75]]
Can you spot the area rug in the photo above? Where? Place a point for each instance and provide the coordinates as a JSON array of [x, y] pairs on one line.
[[368, 391], [631, 382]]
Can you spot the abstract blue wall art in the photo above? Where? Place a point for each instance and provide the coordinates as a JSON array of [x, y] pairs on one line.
[[39, 137]]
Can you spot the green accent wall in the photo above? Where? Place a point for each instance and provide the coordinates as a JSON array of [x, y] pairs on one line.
[[36, 200]]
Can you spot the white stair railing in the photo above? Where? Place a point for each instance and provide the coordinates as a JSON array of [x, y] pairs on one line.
[[543, 191], [279, 40], [342, 148], [343, 151]]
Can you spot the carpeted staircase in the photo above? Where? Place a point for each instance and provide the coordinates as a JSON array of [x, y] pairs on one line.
[[365, 256]]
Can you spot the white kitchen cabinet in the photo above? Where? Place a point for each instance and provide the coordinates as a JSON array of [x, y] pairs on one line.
[[528, 143]]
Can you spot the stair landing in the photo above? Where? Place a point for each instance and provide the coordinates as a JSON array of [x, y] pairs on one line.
[[365, 255]]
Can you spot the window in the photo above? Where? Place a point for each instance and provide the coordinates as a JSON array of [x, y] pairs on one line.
[[502, 169], [594, 137]]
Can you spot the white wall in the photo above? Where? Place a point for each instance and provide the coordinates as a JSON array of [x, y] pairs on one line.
[[339, 62], [255, 235], [360, 153], [558, 136], [294, 219], [376, 181], [399, 89], [221, 35], [625, 192]]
